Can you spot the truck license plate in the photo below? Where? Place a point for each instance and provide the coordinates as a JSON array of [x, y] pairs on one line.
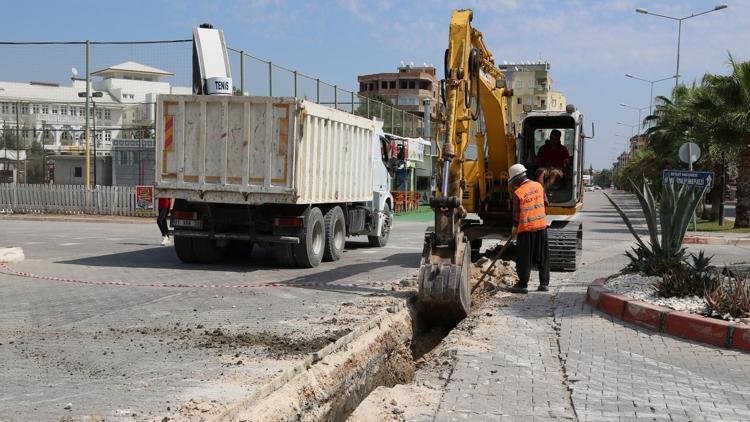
[[196, 224]]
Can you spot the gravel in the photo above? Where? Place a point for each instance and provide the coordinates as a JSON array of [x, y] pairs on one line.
[[642, 288]]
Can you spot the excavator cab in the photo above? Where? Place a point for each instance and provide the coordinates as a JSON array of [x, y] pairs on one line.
[[537, 131]]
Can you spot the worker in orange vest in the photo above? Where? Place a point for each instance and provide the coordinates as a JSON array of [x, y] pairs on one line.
[[529, 228]]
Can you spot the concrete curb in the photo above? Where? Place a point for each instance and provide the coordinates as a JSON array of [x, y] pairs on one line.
[[11, 254], [708, 240], [664, 320]]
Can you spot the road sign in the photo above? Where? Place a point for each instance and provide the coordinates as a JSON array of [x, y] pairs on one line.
[[689, 152], [696, 179]]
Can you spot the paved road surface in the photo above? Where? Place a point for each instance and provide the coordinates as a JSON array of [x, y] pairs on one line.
[[555, 358], [133, 351]]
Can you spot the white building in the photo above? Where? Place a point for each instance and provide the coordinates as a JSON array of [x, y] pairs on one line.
[[53, 115]]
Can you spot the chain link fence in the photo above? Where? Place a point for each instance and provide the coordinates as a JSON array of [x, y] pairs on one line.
[[37, 121]]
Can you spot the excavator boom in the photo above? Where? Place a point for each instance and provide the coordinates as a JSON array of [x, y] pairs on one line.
[[472, 85]]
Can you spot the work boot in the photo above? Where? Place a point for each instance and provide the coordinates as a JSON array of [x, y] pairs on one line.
[[518, 289], [543, 288]]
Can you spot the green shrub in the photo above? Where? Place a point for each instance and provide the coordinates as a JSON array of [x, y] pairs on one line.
[[730, 297], [667, 224]]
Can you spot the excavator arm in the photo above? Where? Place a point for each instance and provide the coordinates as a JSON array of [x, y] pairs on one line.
[[473, 86]]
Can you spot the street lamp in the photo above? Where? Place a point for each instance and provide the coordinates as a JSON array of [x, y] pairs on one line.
[[679, 30], [636, 109], [651, 98], [630, 126], [88, 95]]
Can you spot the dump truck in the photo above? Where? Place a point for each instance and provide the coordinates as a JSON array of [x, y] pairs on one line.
[[278, 172]]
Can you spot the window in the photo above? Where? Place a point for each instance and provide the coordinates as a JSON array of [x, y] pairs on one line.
[[45, 109], [403, 84], [107, 114], [372, 87], [554, 102], [518, 100], [77, 172], [64, 110], [14, 108], [362, 86], [35, 108], [392, 85], [543, 102], [519, 84], [424, 85], [383, 85], [99, 114], [412, 85], [24, 108], [531, 84], [4, 107], [107, 136], [81, 111]]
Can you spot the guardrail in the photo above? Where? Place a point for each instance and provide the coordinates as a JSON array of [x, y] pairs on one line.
[[70, 199]]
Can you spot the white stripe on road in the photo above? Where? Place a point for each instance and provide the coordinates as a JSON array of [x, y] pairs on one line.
[[68, 244]]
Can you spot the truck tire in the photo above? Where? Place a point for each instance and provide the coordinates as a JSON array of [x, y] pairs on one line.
[[284, 254], [385, 232], [206, 251], [309, 252], [335, 226], [184, 247]]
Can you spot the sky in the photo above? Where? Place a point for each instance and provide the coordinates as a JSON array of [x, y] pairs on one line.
[[590, 44]]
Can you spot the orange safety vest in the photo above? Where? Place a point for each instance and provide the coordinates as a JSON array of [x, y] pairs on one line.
[[531, 215]]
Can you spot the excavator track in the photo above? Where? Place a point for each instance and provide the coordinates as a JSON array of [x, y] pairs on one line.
[[565, 244]]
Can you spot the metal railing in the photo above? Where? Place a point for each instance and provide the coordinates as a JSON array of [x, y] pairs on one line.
[[70, 199]]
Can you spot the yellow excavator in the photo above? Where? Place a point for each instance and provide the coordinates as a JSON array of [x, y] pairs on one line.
[[480, 144]]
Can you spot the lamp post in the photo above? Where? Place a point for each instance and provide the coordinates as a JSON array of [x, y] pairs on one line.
[[88, 95], [632, 127], [679, 30], [639, 113], [651, 98]]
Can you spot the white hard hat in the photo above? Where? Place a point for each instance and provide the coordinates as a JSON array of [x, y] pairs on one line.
[[515, 171]]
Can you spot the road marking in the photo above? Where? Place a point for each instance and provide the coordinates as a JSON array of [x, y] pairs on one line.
[[69, 244], [32, 243]]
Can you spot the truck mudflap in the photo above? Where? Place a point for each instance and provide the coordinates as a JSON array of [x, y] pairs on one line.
[[565, 240]]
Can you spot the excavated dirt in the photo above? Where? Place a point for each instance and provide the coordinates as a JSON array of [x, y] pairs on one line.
[[433, 352], [383, 371]]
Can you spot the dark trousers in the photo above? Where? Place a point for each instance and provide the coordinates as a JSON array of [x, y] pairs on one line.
[[161, 221], [532, 250]]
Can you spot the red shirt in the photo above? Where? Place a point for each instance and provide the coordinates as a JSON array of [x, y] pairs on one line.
[[165, 203], [553, 156]]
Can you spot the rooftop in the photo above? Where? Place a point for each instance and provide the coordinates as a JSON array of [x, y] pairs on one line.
[[132, 67]]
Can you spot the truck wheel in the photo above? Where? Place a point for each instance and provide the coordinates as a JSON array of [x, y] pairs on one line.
[[335, 234], [284, 254], [309, 252], [184, 247], [385, 231], [206, 250]]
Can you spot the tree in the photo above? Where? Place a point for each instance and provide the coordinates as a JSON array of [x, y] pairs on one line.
[[727, 108], [603, 178]]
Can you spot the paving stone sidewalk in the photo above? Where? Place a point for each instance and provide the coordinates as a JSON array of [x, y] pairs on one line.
[[555, 358]]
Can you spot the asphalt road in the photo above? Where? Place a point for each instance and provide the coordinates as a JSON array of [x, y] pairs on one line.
[[139, 351], [103, 335]]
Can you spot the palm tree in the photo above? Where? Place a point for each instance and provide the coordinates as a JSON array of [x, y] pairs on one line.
[[727, 107]]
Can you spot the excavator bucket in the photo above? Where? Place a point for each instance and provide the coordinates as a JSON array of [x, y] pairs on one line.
[[444, 278]]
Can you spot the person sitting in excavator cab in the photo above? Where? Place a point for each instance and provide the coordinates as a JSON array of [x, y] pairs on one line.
[[552, 160]]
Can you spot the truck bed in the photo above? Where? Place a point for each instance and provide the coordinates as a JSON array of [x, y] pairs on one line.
[[255, 150]]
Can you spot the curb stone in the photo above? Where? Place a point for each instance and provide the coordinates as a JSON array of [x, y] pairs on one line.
[[664, 320], [11, 254], [708, 240]]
